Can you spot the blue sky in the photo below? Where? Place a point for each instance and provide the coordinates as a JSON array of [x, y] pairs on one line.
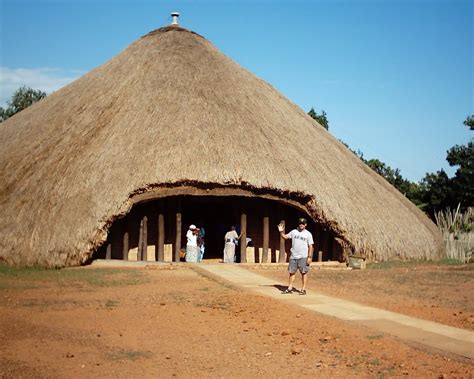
[[395, 77]]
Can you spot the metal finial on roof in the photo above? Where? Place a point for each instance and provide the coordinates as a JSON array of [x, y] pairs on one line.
[[175, 16]]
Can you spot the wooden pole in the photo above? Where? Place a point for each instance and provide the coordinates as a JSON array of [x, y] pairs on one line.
[[145, 239], [177, 246], [317, 237], [161, 238], [125, 246], [320, 256], [282, 257], [243, 239], [324, 241], [265, 239], [108, 253], [330, 248], [140, 242]]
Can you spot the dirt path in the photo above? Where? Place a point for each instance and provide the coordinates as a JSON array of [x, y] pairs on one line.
[[433, 335], [437, 292], [174, 322]]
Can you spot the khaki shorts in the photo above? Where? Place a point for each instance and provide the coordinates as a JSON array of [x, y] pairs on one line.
[[298, 264]]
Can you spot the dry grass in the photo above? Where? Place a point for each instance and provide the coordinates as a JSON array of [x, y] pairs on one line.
[[74, 162], [457, 229]]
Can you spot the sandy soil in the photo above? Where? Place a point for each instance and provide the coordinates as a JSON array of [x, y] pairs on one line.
[[173, 322]]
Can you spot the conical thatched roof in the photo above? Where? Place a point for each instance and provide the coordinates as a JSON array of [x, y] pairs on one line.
[[73, 162]]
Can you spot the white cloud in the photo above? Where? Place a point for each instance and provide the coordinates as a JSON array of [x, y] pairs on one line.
[[45, 79]]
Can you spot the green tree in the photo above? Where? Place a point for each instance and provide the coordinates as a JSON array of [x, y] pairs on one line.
[[437, 192], [463, 180], [469, 121], [320, 118], [382, 169], [21, 99]]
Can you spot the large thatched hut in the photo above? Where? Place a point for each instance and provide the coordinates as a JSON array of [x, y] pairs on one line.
[[172, 132]]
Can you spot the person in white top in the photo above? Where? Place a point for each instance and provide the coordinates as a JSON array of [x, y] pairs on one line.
[[231, 239], [191, 245], [301, 254]]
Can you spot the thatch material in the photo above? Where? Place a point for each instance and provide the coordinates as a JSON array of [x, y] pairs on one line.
[[76, 160]]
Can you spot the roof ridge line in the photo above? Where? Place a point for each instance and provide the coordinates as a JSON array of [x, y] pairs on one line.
[[170, 28]]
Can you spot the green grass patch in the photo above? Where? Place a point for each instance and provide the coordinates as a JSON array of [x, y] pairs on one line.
[[21, 277], [415, 263], [449, 262], [63, 304], [50, 303], [375, 362], [375, 337], [111, 304], [14, 285], [391, 264], [128, 355]]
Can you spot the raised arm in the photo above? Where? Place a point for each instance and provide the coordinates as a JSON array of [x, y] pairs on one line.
[[281, 229]]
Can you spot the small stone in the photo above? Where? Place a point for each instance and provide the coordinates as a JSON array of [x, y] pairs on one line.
[[69, 355], [167, 357], [162, 304], [268, 354], [203, 311], [299, 315], [285, 333], [296, 350]]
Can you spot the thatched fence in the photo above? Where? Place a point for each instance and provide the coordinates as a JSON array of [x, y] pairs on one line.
[[457, 229]]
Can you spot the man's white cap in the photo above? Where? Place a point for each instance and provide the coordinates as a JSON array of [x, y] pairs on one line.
[[192, 227]]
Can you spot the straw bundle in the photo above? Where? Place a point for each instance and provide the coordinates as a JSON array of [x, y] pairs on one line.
[[136, 125], [457, 229]]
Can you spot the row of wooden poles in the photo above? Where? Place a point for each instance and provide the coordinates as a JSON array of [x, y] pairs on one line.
[[143, 240]]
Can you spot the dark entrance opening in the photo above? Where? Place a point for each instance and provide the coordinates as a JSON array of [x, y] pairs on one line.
[[216, 214]]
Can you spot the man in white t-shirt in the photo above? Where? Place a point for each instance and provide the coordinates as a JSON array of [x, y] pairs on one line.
[[301, 254]]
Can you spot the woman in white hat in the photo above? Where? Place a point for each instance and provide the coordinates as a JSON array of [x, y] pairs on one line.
[[192, 249]]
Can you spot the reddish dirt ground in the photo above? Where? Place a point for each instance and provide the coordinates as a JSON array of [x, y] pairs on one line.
[[436, 292], [174, 322]]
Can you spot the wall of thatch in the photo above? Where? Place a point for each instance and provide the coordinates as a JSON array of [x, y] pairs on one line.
[[170, 110]]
